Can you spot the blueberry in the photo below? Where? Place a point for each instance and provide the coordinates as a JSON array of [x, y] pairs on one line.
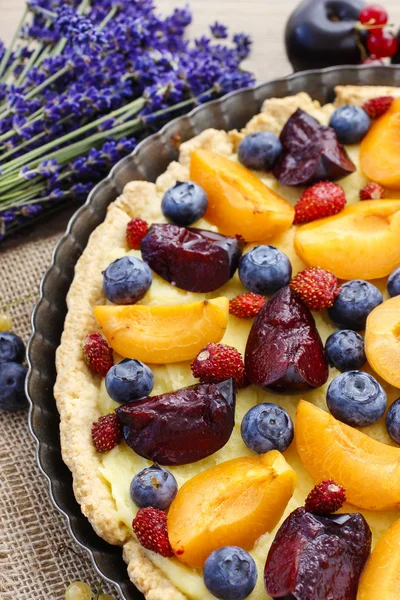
[[185, 203], [12, 348], [354, 303], [12, 386], [393, 421], [393, 283], [345, 350], [267, 427], [127, 280], [259, 150], [356, 398], [351, 123], [265, 270], [230, 573], [155, 487], [129, 380]]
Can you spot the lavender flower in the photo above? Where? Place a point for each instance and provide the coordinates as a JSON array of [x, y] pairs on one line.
[[243, 44], [219, 31], [78, 29], [82, 96]]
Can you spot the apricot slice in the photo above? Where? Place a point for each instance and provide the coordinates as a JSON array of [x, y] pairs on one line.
[[232, 503], [382, 340], [329, 449], [361, 242], [238, 201], [380, 149], [163, 334], [381, 576]]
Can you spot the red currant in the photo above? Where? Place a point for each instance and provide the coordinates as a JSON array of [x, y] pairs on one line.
[[382, 44], [373, 14]]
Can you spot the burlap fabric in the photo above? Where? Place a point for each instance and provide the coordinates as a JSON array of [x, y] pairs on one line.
[[37, 557]]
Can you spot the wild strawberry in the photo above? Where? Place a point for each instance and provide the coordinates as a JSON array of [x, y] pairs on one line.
[[135, 232], [150, 527], [322, 199], [371, 191], [97, 353], [106, 432], [217, 362], [246, 306], [378, 106], [316, 287], [326, 497]]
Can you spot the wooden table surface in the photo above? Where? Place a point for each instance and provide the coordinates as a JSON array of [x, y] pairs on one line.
[[265, 19]]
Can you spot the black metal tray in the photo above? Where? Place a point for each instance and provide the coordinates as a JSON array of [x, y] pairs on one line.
[[149, 160]]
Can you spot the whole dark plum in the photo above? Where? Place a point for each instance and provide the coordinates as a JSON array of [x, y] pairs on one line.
[[321, 33], [314, 557], [180, 427]]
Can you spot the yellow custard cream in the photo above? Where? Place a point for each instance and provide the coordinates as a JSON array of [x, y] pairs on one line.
[[121, 464]]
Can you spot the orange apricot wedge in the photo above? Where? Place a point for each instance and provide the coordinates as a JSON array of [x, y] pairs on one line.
[[163, 334], [381, 576], [380, 149], [238, 201], [329, 449], [382, 340], [361, 242], [232, 503]]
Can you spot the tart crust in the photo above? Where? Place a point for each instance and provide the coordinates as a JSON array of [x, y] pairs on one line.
[[77, 387]]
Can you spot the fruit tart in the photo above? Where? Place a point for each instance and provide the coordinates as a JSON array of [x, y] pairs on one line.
[[228, 376]]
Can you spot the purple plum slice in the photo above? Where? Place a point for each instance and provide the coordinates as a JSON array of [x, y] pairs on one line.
[[180, 427], [195, 260], [284, 351], [317, 557], [311, 153]]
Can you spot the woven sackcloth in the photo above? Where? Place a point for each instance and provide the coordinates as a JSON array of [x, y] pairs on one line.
[[37, 557]]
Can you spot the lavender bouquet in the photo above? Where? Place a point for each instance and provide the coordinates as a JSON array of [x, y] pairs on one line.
[[83, 82]]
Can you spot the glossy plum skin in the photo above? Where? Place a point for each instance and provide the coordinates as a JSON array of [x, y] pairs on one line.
[[321, 33], [311, 153], [314, 557], [284, 351], [180, 427], [195, 260]]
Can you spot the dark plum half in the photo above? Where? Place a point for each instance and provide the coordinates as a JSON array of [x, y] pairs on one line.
[[284, 351], [180, 427], [317, 557], [195, 260], [311, 153]]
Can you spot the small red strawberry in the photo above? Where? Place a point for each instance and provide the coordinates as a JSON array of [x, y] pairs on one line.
[[150, 527], [372, 191], [97, 353], [378, 106], [106, 433], [135, 232], [322, 199], [325, 498], [246, 306], [217, 362], [316, 287]]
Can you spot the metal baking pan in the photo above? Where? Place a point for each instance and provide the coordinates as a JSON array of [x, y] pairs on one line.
[[149, 160]]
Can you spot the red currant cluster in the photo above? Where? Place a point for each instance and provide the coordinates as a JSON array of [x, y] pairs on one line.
[[380, 42]]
